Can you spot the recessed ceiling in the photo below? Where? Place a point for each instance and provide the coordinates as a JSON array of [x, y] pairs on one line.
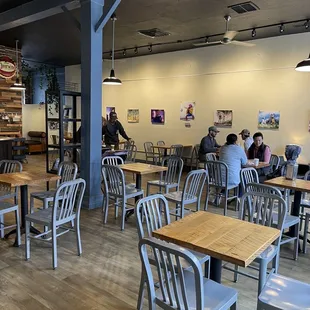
[[56, 40]]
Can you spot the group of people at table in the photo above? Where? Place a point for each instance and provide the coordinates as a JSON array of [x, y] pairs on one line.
[[234, 155]]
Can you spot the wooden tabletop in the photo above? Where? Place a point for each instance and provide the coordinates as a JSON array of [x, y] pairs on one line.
[[222, 237], [299, 185], [26, 178], [260, 165], [167, 147], [140, 168]]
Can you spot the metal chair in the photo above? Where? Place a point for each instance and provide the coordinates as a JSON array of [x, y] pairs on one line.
[[115, 188], [66, 208], [290, 220], [112, 160], [131, 155], [149, 212], [248, 175], [161, 152], [305, 201], [149, 153], [179, 288], [5, 208], [218, 180], [170, 178], [211, 157], [193, 158], [284, 293], [274, 162], [267, 210], [128, 145], [176, 150], [67, 171], [191, 193]]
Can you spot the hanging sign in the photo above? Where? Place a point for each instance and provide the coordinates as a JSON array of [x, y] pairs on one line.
[[7, 67]]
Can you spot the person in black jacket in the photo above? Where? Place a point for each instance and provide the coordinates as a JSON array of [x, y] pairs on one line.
[[111, 129]]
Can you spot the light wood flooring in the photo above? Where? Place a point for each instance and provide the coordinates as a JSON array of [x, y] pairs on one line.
[[107, 274]]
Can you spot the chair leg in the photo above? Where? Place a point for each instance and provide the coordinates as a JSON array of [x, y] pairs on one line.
[[27, 240], [147, 189], [296, 243], [31, 204], [141, 292], [207, 269], [123, 214], [275, 262], [78, 236], [106, 208], [236, 275], [262, 276], [306, 233], [17, 227], [225, 203], [54, 243], [1, 226]]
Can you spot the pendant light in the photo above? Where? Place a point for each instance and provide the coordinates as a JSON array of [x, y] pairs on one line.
[[304, 66], [112, 80], [18, 85]]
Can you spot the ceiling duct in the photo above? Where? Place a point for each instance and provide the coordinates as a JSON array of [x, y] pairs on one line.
[[244, 7], [154, 33]]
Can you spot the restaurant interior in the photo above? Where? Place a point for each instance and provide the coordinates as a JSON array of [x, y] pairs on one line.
[[154, 154]]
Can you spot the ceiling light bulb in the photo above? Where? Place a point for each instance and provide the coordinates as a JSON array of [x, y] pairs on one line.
[[253, 33], [150, 48], [124, 52], [281, 28], [207, 40], [136, 50], [307, 24]]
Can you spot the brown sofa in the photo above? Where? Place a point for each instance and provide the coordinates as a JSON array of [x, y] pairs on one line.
[[36, 142]]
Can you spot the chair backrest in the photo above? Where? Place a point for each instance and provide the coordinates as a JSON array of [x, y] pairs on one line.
[[161, 151], [131, 154], [274, 162], [78, 157], [211, 157], [174, 172], [114, 180], [261, 188], [128, 145], [194, 183], [264, 209], [160, 142], [148, 148], [169, 261], [67, 200], [248, 175], [218, 173], [149, 212], [112, 160], [68, 171], [176, 150], [10, 166]]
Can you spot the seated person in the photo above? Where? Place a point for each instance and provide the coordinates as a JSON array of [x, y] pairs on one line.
[[258, 149], [234, 157], [208, 144], [248, 140]]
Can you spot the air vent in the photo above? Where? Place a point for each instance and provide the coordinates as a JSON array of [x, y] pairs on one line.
[[244, 7], [154, 33]]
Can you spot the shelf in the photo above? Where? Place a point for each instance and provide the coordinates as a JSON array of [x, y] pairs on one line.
[[66, 146], [64, 120]]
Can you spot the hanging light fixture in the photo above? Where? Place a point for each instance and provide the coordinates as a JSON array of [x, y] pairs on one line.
[[18, 85], [112, 80], [304, 66]]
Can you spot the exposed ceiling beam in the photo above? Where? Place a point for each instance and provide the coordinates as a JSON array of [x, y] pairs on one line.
[[33, 11]]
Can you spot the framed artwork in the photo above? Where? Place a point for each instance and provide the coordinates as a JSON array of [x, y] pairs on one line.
[[223, 118], [268, 120], [53, 125], [187, 111], [157, 116], [133, 115], [108, 111]]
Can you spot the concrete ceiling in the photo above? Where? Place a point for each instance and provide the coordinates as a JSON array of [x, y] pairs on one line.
[[56, 40]]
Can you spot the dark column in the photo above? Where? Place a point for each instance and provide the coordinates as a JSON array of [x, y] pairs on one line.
[[91, 82]]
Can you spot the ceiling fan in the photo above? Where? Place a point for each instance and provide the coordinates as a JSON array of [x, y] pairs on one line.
[[228, 37]]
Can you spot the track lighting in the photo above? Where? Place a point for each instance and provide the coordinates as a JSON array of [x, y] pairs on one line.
[[124, 52], [253, 33], [207, 40], [306, 24], [150, 48], [136, 51], [281, 28]]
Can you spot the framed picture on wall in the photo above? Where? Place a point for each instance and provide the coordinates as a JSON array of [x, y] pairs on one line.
[[268, 120], [187, 111], [223, 118], [133, 115], [158, 116]]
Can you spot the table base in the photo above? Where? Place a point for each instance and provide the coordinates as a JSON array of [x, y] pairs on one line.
[[22, 231], [216, 269]]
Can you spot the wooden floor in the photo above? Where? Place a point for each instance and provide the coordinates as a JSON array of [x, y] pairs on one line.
[[107, 274]]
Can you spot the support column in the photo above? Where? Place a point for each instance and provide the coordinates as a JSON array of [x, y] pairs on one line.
[[91, 108]]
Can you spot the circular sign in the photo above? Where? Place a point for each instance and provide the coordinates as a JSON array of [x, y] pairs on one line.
[[7, 67]]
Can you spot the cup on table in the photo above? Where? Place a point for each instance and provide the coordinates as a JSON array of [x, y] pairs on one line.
[[256, 162], [112, 147]]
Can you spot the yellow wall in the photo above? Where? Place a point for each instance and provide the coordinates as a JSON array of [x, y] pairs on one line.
[[243, 79]]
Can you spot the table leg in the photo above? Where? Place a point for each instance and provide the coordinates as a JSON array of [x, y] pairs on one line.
[[138, 185], [216, 269], [165, 152], [295, 212]]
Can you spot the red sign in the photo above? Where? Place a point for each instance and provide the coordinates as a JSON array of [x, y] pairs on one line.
[[7, 67]]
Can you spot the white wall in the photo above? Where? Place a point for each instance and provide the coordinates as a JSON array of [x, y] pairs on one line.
[[245, 80], [33, 118]]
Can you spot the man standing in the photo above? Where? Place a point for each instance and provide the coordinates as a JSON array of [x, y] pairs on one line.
[[248, 140], [208, 144], [111, 129]]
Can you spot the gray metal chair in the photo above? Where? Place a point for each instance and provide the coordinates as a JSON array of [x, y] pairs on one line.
[[115, 188], [131, 155], [290, 220], [6, 208], [149, 211], [161, 152], [284, 293], [170, 178], [305, 201], [68, 172], [274, 162], [176, 150], [248, 175], [179, 288], [211, 157], [150, 153], [112, 160], [66, 208], [218, 180], [268, 210], [191, 193]]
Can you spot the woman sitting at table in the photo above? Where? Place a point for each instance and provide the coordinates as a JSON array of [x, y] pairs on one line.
[[258, 149]]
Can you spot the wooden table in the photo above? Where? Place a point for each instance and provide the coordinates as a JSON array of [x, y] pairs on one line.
[[23, 179], [168, 147], [221, 237], [260, 165]]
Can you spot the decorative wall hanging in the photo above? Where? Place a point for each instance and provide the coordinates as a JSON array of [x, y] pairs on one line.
[[268, 120], [133, 115], [187, 111], [223, 118], [158, 116], [108, 111], [7, 67]]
